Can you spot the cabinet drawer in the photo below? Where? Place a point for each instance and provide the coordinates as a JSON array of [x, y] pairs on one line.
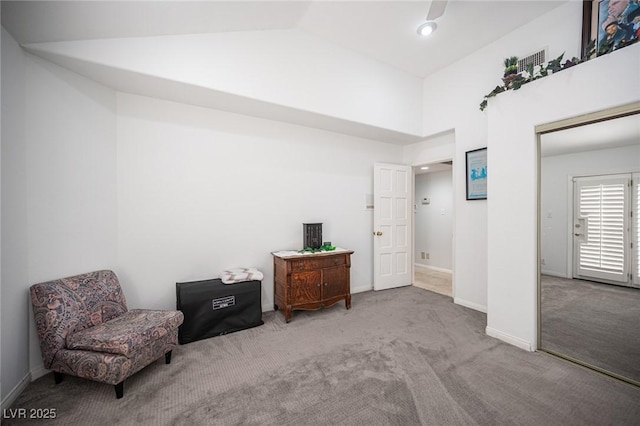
[[317, 263]]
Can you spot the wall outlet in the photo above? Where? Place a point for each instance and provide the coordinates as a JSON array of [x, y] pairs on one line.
[[422, 255], [427, 255], [542, 262]]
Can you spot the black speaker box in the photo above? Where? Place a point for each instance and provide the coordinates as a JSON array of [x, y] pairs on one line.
[[212, 308]]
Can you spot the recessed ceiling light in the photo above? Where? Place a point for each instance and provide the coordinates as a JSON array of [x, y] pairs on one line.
[[427, 28], [424, 168]]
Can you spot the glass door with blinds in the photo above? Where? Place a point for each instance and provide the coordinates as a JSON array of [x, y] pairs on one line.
[[605, 229]]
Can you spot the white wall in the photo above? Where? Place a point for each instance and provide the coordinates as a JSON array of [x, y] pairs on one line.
[[71, 185], [452, 96], [15, 315], [283, 67], [451, 102], [167, 192], [58, 192], [434, 221], [200, 191], [512, 185], [69, 208], [71, 181], [556, 190]]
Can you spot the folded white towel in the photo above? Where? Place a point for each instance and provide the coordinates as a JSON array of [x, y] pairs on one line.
[[237, 275]]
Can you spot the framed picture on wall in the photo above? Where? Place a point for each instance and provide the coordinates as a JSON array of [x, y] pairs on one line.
[[477, 174], [614, 24]]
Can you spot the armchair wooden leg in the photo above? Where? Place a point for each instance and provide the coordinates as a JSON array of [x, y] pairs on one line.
[[57, 377], [167, 357], [119, 390]]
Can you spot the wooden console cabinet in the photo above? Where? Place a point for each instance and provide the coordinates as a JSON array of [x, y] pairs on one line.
[[311, 281]]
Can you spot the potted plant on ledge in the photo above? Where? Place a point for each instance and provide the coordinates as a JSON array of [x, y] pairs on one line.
[[511, 77]]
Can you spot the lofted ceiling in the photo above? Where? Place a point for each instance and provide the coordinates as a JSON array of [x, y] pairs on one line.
[[382, 30]]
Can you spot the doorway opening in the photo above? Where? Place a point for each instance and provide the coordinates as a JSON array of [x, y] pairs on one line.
[[433, 227]]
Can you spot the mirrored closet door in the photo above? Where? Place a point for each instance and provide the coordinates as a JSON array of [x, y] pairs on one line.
[[589, 238]]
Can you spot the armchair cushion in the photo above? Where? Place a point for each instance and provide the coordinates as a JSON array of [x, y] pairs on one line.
[[127, 333], [71, 304], [86, 330]]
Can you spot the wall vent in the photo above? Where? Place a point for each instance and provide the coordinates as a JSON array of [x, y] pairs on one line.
[[537, 58]]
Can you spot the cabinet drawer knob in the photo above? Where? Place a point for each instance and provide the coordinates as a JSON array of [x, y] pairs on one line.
[[318, 285]]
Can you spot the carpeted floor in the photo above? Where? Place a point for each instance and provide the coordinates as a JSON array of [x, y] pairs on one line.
[[397, 357], [595, 323]]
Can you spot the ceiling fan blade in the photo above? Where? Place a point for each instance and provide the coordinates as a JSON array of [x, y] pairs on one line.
[[436, 9]]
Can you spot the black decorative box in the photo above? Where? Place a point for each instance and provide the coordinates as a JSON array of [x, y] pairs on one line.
[[312, 235], [212, 308]]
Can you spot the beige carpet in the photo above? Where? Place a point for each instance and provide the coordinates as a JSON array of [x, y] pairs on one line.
[[432, 280], [398, 357]]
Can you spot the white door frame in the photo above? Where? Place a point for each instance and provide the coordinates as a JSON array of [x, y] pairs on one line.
[[453, 217]]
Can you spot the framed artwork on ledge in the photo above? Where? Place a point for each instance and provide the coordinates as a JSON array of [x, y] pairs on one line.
[[611, 23], [476, 161]]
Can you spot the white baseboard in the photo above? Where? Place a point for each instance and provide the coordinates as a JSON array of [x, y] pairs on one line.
[[15, 392], [554, 274], [433, 268], [468, 304], [512, 340], [38, 372], [361, 289]]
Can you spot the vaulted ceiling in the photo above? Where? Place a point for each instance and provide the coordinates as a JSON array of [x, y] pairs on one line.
[[382, 30]]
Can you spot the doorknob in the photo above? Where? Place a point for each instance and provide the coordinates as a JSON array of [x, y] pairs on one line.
[[378, 233]]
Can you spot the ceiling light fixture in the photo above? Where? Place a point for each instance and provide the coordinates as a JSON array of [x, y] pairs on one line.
[[424, 168], [436, 10], [427, 28]]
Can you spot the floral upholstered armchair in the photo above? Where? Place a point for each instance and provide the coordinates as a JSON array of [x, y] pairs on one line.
[[86, 330]]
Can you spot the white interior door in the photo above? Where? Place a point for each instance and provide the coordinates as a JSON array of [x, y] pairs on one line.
[[392, 233], [602, 229]]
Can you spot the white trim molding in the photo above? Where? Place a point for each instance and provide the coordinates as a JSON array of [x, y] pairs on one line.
[[38, 372], [16, 391], [361, 289], [555, 274], [512, 340], [33, 375], [470, 305], [434, 268]]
